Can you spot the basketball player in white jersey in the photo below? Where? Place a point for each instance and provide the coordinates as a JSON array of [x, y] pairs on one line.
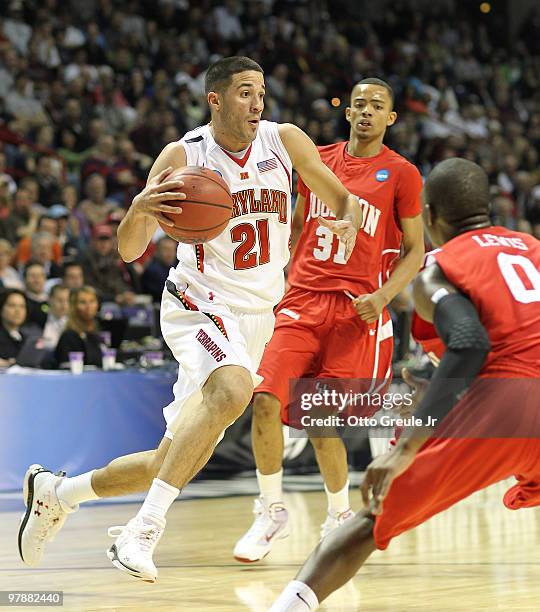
[[216, 312]]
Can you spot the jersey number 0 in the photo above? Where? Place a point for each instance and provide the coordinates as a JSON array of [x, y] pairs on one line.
[[509, 266]]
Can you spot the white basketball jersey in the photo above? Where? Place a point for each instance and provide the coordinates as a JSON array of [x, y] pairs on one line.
[[243, 266]]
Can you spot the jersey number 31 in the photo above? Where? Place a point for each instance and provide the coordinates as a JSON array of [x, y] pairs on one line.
[[325, 246]]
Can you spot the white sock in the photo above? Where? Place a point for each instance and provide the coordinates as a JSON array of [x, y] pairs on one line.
[[296, 597], [75, 490], [338, 502], [159, 500], [270, 486]]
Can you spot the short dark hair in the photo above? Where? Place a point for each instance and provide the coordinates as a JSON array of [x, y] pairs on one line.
[[31, 264], [219, 74], [70, 264], [457, 189], [7, 293], [380, 83], [56, 288]]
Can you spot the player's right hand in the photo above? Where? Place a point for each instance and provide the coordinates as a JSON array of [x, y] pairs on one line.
[[344, 229], [151, 201], [380, 474]]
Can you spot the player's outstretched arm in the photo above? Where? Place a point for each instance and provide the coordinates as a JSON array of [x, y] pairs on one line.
[[324, 184], [467, 347], [141, 221]]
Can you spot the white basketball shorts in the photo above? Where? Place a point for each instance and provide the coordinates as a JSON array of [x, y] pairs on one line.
[[204, 336]]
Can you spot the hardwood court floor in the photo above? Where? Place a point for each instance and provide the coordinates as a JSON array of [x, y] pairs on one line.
[[476, 556]]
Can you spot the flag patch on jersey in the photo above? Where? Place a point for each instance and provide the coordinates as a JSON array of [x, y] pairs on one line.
[[267, 164]]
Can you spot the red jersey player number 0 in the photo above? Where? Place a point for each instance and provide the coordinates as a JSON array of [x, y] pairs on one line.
[[509, 266]]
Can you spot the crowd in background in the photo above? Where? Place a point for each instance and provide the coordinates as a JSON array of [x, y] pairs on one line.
[[91, 91]]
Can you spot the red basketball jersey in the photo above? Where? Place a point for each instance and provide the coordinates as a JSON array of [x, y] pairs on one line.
[[388, 188], [498, 270]]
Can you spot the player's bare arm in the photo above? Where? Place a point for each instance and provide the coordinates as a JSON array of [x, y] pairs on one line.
[[324, 184], [147, 208], [370, 306], [467, 347]]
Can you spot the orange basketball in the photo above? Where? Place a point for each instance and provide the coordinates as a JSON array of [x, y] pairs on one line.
[[206, 210]]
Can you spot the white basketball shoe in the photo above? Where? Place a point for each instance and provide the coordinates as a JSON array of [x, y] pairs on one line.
[[271, 524], [45, 514], [135, 543], [333, 521]]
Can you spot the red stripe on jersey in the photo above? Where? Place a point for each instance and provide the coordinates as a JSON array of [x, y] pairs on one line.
[[199, 256], [179, 295], [284, 168], [218, 322], [241, 161]]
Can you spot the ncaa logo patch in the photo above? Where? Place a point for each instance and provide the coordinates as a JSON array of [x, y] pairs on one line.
[[382, 175]]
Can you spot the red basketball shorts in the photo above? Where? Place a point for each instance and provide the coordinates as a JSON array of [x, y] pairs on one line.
[[320, 335], [446, 470]]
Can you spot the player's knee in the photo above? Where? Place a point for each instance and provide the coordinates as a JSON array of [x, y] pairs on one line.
[[326, 442], [360, 527], [320, 445], [363, 522], [266, 406], [230, 399]]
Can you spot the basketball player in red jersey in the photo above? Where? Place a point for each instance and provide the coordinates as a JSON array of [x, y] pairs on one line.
[[320, 331], [482, 294]]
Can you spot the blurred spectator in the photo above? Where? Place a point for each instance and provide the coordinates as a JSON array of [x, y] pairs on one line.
[[47, 176], [227, 20], [129, 172], [12, 317], [101, 158], [75, 123], [81, 334], [72, 276], [156, 272], [95, 209], [42, 251], [14, 27], [5, 177], [30, 185], [57, 316], [7, 225], [104, 270], [36, 297], [43, 246], [22, 104], [23, 218], [9, 277]]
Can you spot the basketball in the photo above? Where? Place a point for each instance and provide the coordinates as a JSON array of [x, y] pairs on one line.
[[205, 211]]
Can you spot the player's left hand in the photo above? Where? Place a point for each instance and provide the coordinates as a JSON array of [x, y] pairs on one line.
[[380, 474], [418, 386], [344, 230], [369, 306]]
